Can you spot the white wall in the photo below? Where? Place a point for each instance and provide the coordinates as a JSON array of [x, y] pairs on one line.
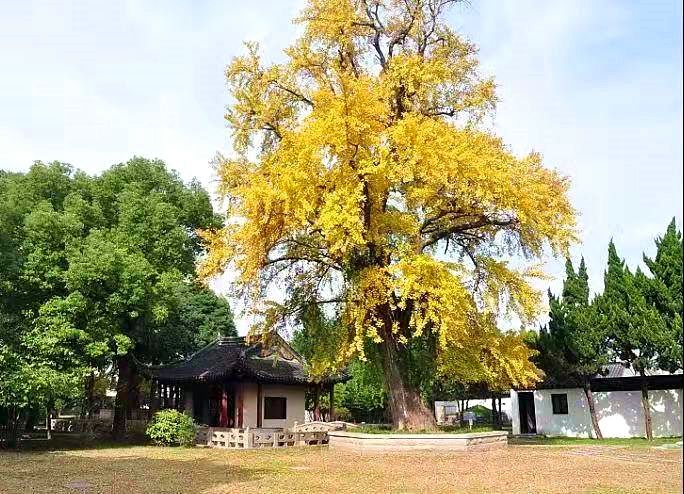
[[620, 413], [295, 405], [249, 405]]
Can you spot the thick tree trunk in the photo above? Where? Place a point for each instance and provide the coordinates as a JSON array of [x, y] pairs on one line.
[[134, 394], [407, 409], [592, 410], [90, 395], [11, 436], [645, 403], [121, 404]]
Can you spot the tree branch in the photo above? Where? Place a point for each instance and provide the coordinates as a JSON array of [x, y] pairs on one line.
[[463, 229]]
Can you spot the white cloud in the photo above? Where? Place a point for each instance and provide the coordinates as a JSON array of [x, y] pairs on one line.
[[595, 86]]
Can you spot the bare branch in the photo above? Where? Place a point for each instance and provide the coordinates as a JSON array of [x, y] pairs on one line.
[[294, 93], [463, 229]]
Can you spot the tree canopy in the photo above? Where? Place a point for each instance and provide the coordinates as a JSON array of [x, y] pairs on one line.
[[363, 173], [574, 347], [98, 268], [635, 320]]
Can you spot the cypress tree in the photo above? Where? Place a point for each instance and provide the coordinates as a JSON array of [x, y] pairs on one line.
[[574, 347], [664, 292], [636, 329]]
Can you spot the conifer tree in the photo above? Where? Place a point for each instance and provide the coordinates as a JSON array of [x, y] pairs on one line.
[[637, 332], [574, 347], [664, 291]]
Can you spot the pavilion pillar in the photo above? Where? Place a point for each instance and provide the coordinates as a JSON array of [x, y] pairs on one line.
[[154, 398], [223, 414], [260, 405], [239, 405], [332, 403]]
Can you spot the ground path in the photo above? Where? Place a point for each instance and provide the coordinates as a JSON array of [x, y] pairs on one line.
[[131, 470]]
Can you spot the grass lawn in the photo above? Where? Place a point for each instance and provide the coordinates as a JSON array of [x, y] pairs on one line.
[[454, 429], [632, 442], [532, 468]]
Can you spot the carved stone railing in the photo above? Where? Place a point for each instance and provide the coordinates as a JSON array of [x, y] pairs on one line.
[[319, 426], [220, 437]]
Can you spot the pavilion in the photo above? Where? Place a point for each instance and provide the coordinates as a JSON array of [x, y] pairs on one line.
[[258, 382]]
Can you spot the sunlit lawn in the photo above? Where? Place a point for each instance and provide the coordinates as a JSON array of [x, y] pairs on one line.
[[529, 468], [632, 442]]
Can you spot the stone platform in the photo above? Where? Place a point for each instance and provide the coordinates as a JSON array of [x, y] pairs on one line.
[[472, 441]]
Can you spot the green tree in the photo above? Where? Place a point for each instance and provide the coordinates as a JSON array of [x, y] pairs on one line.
[[199, 316], [573, 347], [364, 395], [663, 290], [637, 331], [96, 270], [37, 223]]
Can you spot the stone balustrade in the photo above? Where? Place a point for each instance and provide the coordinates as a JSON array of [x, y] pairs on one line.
[[222, 437]]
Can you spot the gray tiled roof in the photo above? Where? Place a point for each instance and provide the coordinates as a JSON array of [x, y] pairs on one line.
[[609, 373], [234, 358]]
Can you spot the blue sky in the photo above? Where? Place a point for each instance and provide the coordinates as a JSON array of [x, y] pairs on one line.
[[595, 86]]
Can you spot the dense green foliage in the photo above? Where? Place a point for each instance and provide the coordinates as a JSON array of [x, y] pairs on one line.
[[572, 346], [364, 395], [172, 428], [636, 320], [664, 292], [96, 271]]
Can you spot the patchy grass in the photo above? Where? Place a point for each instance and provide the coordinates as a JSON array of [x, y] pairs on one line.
[[120, 469], [453, 429], [632, 442]]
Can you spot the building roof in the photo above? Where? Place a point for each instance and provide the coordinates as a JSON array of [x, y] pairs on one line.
[[617, 376], [269, 360]]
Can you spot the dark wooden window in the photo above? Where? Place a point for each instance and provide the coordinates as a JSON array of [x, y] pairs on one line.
[[275, 407], [560, 404]]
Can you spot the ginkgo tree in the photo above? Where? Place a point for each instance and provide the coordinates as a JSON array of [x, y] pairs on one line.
[[364, 179]]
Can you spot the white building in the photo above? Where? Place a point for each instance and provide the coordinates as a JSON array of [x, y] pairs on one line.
[[555, 410]]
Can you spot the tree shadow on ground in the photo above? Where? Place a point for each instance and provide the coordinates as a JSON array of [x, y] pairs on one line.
[[73, 441]]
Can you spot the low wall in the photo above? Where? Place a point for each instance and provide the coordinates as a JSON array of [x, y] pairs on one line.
[[233, 438], [472, 441]]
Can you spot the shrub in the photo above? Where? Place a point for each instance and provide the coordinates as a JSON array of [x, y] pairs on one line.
[[172, 428]]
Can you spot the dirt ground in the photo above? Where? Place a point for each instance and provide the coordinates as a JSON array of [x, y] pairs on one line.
[[130, 470]]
